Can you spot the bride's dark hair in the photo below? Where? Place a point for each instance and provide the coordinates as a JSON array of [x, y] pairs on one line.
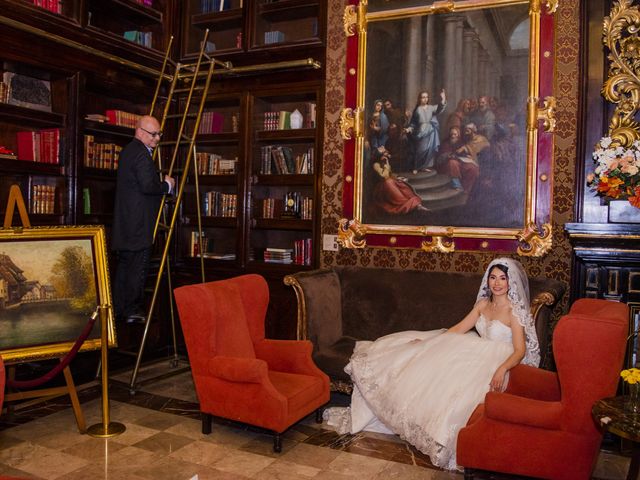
[[504, 269]]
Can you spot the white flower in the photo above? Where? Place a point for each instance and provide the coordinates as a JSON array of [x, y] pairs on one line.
[[605, 142]]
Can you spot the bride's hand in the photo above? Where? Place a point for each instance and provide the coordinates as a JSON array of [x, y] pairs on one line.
[[498, 379]]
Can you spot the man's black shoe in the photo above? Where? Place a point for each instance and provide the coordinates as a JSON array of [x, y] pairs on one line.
[[136, 318]]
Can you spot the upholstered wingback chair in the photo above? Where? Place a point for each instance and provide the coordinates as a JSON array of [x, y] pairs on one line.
[[238, 374], [542, 425]]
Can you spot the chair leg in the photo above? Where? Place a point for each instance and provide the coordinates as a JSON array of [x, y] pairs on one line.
[[277, 443], [468, 473], [206, 423], [319, 415]]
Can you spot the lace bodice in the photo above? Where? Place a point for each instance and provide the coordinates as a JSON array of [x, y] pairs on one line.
[[493, 330]]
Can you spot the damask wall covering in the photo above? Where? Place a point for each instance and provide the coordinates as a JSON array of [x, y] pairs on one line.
[[557, 263]]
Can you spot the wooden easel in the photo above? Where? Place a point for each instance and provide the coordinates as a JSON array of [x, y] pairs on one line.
[[42, 394]]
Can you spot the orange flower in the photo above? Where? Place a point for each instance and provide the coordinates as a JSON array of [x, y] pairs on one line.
[[635, 199]]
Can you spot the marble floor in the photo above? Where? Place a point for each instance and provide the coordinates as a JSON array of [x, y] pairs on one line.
[[163, 440]]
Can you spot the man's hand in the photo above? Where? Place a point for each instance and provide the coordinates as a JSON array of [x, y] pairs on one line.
[[171, 181]]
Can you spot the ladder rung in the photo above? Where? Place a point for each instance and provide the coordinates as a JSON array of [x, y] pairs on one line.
[[186, 137], [163, 226], [173, 142], [183, 90], [180, 115]]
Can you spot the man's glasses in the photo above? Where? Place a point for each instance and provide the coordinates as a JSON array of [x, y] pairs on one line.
[[153, 134]]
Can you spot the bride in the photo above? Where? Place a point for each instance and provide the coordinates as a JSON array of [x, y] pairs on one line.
[[424, 386]]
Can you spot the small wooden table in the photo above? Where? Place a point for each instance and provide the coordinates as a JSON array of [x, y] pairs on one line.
[[611, 415]]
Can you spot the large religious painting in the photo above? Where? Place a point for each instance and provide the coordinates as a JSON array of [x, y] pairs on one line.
[[448, 142], [51, 281]]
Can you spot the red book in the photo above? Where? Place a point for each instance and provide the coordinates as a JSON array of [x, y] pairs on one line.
[[217, 122], [26, 146]]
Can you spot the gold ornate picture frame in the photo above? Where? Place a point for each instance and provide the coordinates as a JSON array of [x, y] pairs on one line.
[[448, 121], [51, 280]]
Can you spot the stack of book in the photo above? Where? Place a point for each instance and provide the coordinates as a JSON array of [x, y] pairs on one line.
[[280, 160], [218, 204], [43, 199], [214, 164], [207, 6], [101, 155], [277, 120], [274, 36], [302, 251], [207, 248], [122, 118], [54, 6], [211, 122], [96, 117], [271, 207], [141, 38], [278, 255], [42, 146]]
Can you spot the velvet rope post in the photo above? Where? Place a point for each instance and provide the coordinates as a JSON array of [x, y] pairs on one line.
[[18, 384]]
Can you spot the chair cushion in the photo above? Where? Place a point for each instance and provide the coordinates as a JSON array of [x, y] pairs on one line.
[[232, 331], [299, 390]]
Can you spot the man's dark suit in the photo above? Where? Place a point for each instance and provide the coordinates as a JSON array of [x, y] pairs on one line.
[[138, 194]]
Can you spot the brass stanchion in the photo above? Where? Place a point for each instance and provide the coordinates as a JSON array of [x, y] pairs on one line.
[[106, 428]]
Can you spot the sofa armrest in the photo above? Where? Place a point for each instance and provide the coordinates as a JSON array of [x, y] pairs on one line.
[[290, 356], [533, 383], [545, 294], [238, 369], [504, 407], [319, 305]]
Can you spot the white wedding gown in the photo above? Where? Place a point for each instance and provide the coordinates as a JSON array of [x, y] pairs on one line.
[[423, 386]]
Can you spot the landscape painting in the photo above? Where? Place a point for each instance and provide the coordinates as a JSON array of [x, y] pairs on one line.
[[51, 281]]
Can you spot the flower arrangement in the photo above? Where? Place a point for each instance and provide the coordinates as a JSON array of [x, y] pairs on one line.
[[631, 375], [617, 173]]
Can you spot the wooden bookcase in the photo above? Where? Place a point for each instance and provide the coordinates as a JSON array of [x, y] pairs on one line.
[[91, 68], [34, 115], [254, 27]]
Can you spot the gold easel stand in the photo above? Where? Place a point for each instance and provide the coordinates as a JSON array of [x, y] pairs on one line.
[[17, 200], [107, 428]]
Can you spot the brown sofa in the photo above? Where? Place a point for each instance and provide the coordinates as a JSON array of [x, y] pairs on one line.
[[338, 306]]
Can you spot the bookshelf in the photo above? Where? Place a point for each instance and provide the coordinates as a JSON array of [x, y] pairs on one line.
[[33, 132], [218, 159], [238, 27], [286, 23], [106, 119], [130, 21]]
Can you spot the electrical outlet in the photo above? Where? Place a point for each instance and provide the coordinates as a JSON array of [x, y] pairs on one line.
[[330, 243]]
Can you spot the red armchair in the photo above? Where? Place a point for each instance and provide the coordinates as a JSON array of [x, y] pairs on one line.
[[542, 425], [238, 374]]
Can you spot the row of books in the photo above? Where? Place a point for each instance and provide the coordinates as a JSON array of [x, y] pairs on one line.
[[54, 6], [100, 155], [211, 122], [119, 118], [207, 248], [214, 164], [43, 199], [280, 160], [292, 205], [273, 36], [207, 6], [141, 38], [41, 146], [218, 204], [281, 119], [146, 3]]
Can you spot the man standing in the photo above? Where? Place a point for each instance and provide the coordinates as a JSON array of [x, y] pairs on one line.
[[138, 194]]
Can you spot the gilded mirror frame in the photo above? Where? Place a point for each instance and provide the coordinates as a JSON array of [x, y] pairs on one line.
[[532, 235]]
